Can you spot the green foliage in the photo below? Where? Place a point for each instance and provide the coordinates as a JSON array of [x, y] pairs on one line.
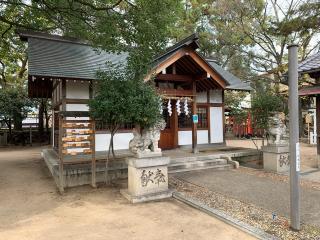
[[122, 98], [263, 105], [14, 106], [250, 37], [139, 27], [232, 100]]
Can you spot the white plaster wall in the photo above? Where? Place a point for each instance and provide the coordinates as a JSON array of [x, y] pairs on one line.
[[185, 137], [202, 137], [121, 141], [216, 124], [202, 97], [78, 89], [215, 96], [77, 107]]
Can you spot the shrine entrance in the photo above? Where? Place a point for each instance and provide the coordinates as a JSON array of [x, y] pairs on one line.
[[169, 136]]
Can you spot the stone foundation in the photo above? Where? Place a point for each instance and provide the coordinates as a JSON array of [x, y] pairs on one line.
[[276, 158], [147, 179]]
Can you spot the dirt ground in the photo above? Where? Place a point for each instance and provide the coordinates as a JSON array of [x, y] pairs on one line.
[[31, 208], [308, 152]]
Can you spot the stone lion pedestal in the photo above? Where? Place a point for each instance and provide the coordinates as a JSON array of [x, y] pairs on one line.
[[147, 178], [276, 158]]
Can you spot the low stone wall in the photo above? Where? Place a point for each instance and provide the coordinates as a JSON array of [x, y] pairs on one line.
[[248, 156], [80, 174]]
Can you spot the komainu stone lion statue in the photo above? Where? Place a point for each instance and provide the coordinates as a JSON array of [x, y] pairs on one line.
[[277, 127], [147, 142]]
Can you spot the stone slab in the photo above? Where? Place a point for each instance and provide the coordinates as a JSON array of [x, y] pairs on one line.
[[146, 197], [276, 158], [148, 155], [147, 180], [273, 148], [147, 162]]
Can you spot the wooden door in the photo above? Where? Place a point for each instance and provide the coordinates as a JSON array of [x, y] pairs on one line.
[[168, 136]]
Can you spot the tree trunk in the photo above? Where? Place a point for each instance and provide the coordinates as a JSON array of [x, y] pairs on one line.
[[46, 116], [10, 129], [110, 150], [17, 121]]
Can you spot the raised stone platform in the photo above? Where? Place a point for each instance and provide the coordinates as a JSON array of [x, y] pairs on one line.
[[180, 160]]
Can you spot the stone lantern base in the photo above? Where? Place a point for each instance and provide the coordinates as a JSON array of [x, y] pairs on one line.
[[276, 157], [147, 179]]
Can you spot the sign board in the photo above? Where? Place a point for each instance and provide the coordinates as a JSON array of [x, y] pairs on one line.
[[195, 118], [308, 118], [298, 157]]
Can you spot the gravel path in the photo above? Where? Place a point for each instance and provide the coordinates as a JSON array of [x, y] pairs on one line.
[[246, 212], [266, 190]]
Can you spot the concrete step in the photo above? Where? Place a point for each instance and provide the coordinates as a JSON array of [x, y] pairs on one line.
[[215, 167], [195, 164], [194, 158]]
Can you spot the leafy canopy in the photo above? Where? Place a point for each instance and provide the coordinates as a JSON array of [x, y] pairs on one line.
[[263, 105], [121, 98], [14, 106]]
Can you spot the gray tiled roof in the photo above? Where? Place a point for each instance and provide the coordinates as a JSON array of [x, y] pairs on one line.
[[57, 56], [310, 64], [67, 59], [235, 82]]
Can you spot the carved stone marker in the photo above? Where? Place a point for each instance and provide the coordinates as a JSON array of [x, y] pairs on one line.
[[276, 157], [147, 179]]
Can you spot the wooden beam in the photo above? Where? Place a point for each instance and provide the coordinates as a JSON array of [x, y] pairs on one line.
[[207, 68], [180, 53], [77, 101], [175, 92], [64, 95], [174, 77]]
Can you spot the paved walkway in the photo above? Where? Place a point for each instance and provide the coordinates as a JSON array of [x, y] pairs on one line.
[[263, 192], [31, 208]]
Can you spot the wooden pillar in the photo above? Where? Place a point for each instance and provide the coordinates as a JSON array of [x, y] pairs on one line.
[[61, 133], [194, 125], [61, 177], [64, 94], [318, 128]]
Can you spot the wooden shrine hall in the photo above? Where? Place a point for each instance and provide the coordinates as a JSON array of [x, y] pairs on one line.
[[64, 69]]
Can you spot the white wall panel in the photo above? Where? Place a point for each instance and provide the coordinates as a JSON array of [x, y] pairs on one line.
[[77, 107], [216, 96], [78, 90], [202, 137], [185, 137], [121, 141], [216, 124], [202, 97]]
